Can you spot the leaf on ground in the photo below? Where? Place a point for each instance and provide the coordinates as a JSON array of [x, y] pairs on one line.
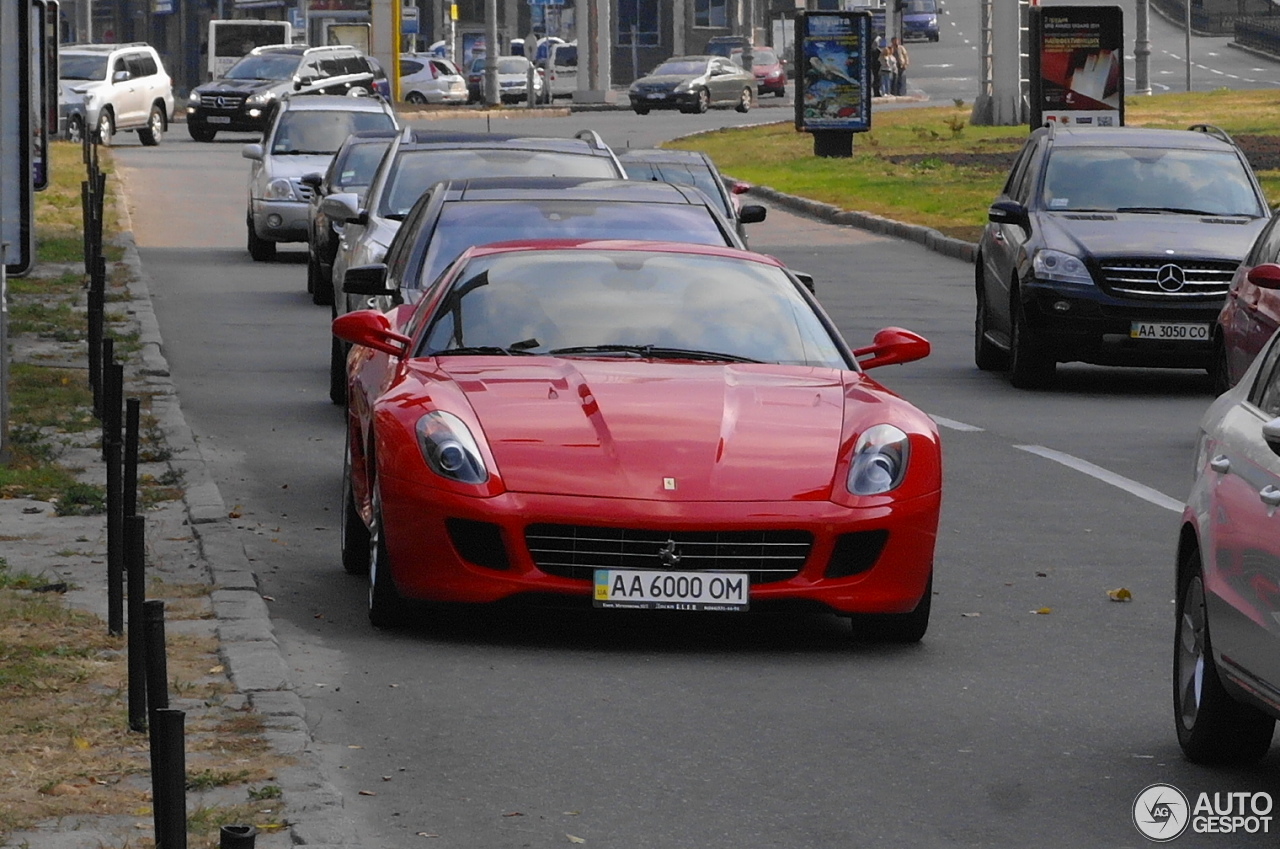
[[573, 839], [974, 615], [367, 793], [1120, 594], [1042, 611]]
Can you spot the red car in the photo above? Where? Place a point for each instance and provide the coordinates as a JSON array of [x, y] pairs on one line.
[[634, 424], [1252, 311], [771, 76]]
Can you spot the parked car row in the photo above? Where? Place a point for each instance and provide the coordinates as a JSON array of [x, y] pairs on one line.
[[1156, 248]]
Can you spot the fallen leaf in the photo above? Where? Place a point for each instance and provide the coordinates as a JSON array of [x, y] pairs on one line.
[[1120, 594], [217, 670], [970, 615], [268, 598], [513, 814], [352, 746], [1043, 611], [1042, 574], [367, 793], [386, 778], [81, 743], [573, 839], [427, 834]]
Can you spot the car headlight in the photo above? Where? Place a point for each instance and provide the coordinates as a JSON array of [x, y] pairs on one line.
[[450, 449], [279, 189], [260, 98], [879, 460], [1060, 266], [682, 87]]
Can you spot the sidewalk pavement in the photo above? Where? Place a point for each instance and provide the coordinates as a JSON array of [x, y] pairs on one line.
[[194, 541]]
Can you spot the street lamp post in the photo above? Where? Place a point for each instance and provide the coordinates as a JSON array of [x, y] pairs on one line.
[[1141, 50]]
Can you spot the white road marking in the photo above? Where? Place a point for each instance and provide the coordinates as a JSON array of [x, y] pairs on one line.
[[952, 424], [1132, 487]]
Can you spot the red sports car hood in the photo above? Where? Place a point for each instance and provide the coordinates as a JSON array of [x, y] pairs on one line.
[[668, 431]]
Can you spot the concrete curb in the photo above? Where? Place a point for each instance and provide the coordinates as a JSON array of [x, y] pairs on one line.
[[247, 643]]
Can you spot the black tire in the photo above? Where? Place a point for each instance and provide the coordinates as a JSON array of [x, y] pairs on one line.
[[386, 608], [704, 101], [782, 92], [1213, 728], [262, 250], [416, 98], [896, 627], [744, 102], [1030, 366], [986, 356], [75, 128], [641, 110], [321, 291], [106, 127], [201, 133], [153, 132], [1219, 371], [354, 532]]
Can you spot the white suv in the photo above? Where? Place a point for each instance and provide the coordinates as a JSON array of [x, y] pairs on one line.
[[113, 87]]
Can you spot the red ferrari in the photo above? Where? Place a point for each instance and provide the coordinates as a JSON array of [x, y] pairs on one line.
[[634, 424]]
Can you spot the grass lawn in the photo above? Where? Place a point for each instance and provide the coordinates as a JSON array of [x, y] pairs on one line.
[[929, 166]]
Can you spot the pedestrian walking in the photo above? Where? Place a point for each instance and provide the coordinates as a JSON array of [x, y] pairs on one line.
[[903, 60], [873, 55]]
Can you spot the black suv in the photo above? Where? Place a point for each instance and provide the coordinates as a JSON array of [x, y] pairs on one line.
[[246, 98], [1113, 246]]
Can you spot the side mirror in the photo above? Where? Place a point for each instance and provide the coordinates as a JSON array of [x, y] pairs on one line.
[[752, 214], [252, 151], [1009, 212], [314, 179], [1271, 434], [368, 280], [1265, 276], [371, 329], [343, 207], [806, 280], [120, 77], [891, 346]]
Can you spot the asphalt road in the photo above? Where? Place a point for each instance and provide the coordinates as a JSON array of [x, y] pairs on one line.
[[1006, 727]]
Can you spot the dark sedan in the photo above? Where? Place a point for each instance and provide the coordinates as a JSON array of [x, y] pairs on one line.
[[693, 84]]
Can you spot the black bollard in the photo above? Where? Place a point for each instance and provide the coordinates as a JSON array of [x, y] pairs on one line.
[[157, 663], [131, 422], [237, 837], [135, 540], [169, 778], [96, 320], [115, 543]]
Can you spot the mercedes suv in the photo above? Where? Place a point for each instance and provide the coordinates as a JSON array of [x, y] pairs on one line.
[[246, 99], [1112, 246]]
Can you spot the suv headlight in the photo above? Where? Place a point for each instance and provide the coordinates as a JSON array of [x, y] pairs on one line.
[[879, 460], [449, 448], [1060, 266], [260, 98], [279, 189]]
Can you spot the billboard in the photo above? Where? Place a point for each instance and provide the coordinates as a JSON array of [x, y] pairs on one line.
[[1077, 65], [17, 114], [833, 72]]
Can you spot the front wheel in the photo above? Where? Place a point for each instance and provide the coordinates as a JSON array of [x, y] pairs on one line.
[[75, 128], [151, 134], [896, 627], [1213, 728], [320, 289], [416, 98], [641, 110], [986, 356], [1219, 369], [744, 102], [355, 534], [262, 250], [1030, 366], [200, 133], [106, 127], [386, 607], [704, 101]]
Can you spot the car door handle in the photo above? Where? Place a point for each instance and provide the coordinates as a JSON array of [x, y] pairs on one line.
[[1270, 496], [1220, 464]]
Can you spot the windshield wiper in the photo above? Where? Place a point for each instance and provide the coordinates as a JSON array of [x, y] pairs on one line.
[[649, 352], [1159, 209], [483, 350], [304, 152]]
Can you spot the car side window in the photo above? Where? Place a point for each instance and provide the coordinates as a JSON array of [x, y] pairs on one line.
[[408, 67], [1268, 248], [146, 65], [331, 66], [121, 64], [1025, 184], [310, 68], [1265, 394], [1017, 171]]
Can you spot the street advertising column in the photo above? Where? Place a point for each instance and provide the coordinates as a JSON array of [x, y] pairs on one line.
[[1077, 65], [17, 206], [833, 78]]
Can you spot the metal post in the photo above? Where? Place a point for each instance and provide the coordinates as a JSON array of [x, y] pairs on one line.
[[169, 778], [237, 837], [1141, 50], [130, 487], [491, 94], [135, 568], [4, 354], [115, 543], [1188, 44], [157, 663]]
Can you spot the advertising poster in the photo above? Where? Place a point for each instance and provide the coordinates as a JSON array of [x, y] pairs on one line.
[[1077, 65], [17, 200], [833, 71]]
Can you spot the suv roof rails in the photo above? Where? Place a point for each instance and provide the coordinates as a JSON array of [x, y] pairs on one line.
[[1211, 130], [592, 138], [105, 47]]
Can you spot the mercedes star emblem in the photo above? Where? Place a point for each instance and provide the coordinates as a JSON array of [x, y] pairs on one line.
[[1171, 278]]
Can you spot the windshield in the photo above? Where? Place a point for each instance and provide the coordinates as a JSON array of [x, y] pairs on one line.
[[464, 224], [512, 65], [921, 7], [1149, 179], [415, 171], [682, 174], [357, 167], [318, 132], [265, 66], [619, 303], [81, 67], [679, 69]]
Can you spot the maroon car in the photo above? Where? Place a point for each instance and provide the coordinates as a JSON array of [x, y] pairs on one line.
[[1252, 311]]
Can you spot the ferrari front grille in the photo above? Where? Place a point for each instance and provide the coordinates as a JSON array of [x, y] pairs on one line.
[[576, 551]]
